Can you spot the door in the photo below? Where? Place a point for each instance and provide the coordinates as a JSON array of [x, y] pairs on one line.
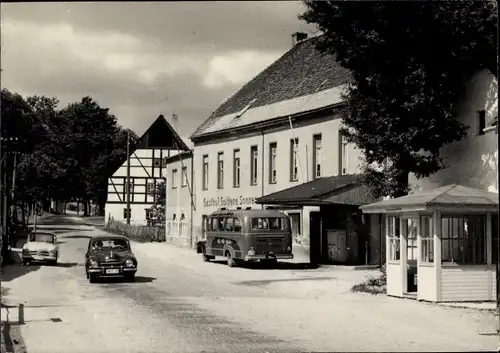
[[410, 230], [315, 238]]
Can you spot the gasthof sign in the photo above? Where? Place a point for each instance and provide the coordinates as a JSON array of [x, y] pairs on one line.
[[227, 201]]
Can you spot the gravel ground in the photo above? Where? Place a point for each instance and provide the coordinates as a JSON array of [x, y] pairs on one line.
[[181, 304]]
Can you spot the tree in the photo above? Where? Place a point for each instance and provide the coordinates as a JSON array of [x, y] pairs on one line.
[[159, 194], [409, 61]]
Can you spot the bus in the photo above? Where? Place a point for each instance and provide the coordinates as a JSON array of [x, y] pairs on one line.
[[247, 235]]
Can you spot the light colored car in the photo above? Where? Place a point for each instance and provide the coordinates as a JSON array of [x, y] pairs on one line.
[[41, 247]]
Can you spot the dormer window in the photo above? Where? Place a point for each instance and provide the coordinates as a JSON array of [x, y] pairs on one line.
[[242, 111]]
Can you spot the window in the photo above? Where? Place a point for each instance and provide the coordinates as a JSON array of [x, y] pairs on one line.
[[216, 224], [254, 155], [131, 185], [481, 122], [343, 155], [463, 239], [164, 162], [150, 188], [294, 159], [174, 178], [317, 156], [271, 223], [236, 168], [273, 147], [410, 225], [220, 170], [427, 239], [296, 227], [126, 214], [394, 233], [157, 162], [184, 176], [205, 173]]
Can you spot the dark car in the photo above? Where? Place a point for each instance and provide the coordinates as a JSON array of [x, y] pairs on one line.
[[110, 257]]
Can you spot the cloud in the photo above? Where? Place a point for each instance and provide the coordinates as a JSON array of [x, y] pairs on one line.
[[143, 59], [237, 67]]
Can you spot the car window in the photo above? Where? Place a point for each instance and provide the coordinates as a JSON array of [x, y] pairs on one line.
[[110, 244]]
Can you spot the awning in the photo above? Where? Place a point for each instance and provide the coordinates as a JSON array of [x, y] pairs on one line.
[[448, 197], [334, 190]]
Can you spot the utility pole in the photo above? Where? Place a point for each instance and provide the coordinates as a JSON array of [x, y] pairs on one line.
[[128, 177]]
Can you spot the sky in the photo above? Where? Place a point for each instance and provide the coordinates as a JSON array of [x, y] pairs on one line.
[[144, 59]]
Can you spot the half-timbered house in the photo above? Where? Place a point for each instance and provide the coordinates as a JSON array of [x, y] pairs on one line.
[[147, 170]]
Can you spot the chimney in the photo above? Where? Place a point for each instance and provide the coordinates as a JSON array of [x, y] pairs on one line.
[[298, 37], [175, 122]]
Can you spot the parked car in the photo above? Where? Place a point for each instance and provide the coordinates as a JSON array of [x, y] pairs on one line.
[[40, 247], [110, 257]]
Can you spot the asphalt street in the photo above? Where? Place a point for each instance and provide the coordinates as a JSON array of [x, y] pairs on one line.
[[180, 304]]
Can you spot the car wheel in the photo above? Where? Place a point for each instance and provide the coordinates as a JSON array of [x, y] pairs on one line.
[[230, 260]]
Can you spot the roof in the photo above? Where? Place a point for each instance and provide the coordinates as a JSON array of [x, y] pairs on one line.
[[452, 195], [302, 71], [341, 189], [160, 134], [176, 157]]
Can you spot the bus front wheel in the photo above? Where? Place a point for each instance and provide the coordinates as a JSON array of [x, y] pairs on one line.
[[206, 257]]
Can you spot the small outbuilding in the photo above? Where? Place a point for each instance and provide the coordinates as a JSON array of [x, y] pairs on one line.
[[441, 244]]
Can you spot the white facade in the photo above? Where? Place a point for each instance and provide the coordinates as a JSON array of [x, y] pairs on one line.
[[180, 201], [219, 188], [147, 168], [473, 161]]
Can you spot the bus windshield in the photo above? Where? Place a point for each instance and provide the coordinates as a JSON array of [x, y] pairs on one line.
[[268, 223]]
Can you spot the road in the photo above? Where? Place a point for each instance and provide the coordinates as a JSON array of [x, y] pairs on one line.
[[180, 304]]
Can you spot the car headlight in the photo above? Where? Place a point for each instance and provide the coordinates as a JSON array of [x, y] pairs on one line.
[[94, 264], [129, 263], [52, 252], [26, 251]]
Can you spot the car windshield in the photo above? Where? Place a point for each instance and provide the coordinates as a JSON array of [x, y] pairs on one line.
[[43, 238], [110, 244]]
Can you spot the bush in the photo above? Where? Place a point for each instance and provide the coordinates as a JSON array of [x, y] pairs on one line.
[[373, 285]]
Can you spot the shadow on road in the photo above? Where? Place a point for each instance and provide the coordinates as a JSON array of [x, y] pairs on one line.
[[58, 230], [138, 279], [12, 272], [278, 266], [67, 264], [78, 236], [266, 282]]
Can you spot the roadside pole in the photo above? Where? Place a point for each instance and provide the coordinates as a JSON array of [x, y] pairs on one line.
[[128, 177]]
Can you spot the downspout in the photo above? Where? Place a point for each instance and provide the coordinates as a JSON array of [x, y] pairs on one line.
[[192, 201], [262, 169]]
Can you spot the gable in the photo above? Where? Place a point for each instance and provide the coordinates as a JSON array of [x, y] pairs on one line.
[[161, 135]]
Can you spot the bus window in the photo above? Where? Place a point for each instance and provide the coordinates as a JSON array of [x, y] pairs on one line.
[[260, 223], [229, 225], [273, 223], [237, 225], [216, 224], [276, 223]]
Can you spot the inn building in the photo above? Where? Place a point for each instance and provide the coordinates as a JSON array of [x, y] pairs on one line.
[[147, 168], [276, 143]]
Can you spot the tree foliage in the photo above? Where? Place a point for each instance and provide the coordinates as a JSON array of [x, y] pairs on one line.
[[63, 154], [409, 61]]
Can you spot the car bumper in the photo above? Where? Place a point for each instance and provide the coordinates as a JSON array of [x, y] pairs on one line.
[[268, 257], [39, 258], [104, 272]]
